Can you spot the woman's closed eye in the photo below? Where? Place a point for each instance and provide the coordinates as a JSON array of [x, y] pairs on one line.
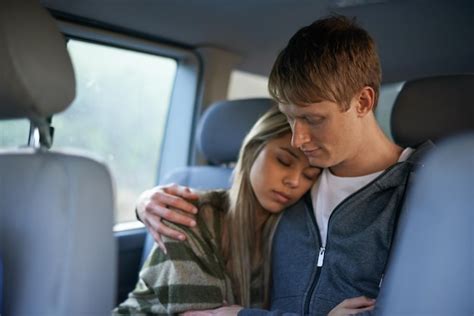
[[284, 161]]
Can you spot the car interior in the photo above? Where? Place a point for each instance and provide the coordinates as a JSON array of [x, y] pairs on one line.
[[178, 86]]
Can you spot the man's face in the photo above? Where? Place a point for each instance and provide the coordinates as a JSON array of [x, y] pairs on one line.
[[326, 135]]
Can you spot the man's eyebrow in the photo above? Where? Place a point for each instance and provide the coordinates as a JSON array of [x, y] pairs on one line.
[[311, 115], [289, 151], [314, 114]]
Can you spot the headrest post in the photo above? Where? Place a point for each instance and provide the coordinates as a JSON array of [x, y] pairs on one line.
[[41, 133], [34, 137]]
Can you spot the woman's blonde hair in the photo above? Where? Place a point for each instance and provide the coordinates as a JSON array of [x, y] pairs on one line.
[[239, 244]]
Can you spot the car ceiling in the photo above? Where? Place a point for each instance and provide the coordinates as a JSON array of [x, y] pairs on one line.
[[415, 38]]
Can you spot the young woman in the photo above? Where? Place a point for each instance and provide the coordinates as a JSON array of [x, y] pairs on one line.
[[226, 257]]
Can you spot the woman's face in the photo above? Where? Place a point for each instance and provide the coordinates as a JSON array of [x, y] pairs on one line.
[[281, 174]]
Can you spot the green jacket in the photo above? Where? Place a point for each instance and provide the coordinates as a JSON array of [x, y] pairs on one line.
[[192, 276]]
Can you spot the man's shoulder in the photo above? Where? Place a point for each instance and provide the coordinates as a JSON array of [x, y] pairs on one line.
[[421, 151], [300, 210]]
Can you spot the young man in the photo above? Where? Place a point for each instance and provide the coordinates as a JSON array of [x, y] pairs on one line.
[[333, 244]]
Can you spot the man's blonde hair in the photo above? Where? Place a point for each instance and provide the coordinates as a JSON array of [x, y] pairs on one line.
[[331, 59]]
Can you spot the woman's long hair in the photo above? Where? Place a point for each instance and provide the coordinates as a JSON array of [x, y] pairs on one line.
[[239, 244]]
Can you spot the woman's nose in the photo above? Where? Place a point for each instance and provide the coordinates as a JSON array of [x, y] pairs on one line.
[[292, 179]]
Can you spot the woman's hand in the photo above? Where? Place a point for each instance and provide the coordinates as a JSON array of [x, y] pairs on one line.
[[166, 202], [353, 306]]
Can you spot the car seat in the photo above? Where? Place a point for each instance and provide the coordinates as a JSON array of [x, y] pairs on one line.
[[56, 208], [430, 269]]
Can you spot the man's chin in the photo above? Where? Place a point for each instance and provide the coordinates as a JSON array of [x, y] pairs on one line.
[[319, 163]]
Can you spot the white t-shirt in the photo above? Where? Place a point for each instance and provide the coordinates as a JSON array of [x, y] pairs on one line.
[[330, 190]]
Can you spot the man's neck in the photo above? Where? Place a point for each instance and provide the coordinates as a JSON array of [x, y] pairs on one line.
[[376, 153]]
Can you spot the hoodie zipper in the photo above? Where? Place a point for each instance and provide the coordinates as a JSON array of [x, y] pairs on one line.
[[323, 250], [319, 267]]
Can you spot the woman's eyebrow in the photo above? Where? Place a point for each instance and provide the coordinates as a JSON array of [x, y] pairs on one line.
[[289, 151]]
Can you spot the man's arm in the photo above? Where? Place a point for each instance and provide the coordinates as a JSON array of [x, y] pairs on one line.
[[351, 306], [166, 202], [236, 310]]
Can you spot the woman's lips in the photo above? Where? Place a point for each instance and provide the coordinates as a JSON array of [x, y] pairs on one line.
[[281, 197]]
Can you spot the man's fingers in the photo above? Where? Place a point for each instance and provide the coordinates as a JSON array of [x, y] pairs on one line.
[[159, 242], [173, 215], [181, 191], [176, 202], [356, 311], [171, 233], [157, 228], [358, 302]]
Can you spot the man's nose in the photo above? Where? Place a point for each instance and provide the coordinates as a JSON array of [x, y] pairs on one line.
[[299, 135]]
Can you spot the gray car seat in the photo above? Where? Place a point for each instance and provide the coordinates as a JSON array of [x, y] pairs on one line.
[[1, 284], [56, 208], [430, 270], [220, 133]]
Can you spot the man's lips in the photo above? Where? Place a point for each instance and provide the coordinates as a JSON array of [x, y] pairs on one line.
[[281, 197]]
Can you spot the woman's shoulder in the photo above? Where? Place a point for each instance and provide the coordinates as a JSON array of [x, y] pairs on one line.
[[212, 207], [213, 201]]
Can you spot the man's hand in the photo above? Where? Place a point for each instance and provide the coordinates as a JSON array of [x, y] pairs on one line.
[[222, 311], [353, 306], [166, 202]]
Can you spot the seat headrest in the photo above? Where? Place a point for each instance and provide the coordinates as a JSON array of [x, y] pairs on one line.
[[433, 108], [37, 77], [224, 125]]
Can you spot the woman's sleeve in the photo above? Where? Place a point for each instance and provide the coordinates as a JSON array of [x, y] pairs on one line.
[[191, 276]]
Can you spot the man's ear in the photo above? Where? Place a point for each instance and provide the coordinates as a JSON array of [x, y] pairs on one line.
[[365, 101]]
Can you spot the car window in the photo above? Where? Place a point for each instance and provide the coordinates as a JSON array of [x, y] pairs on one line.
[[14, 133], [246, 85], [119, 113]]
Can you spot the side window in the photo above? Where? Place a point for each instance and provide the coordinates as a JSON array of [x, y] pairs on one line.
[[119, 113], [246, 85], [14, 133]]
